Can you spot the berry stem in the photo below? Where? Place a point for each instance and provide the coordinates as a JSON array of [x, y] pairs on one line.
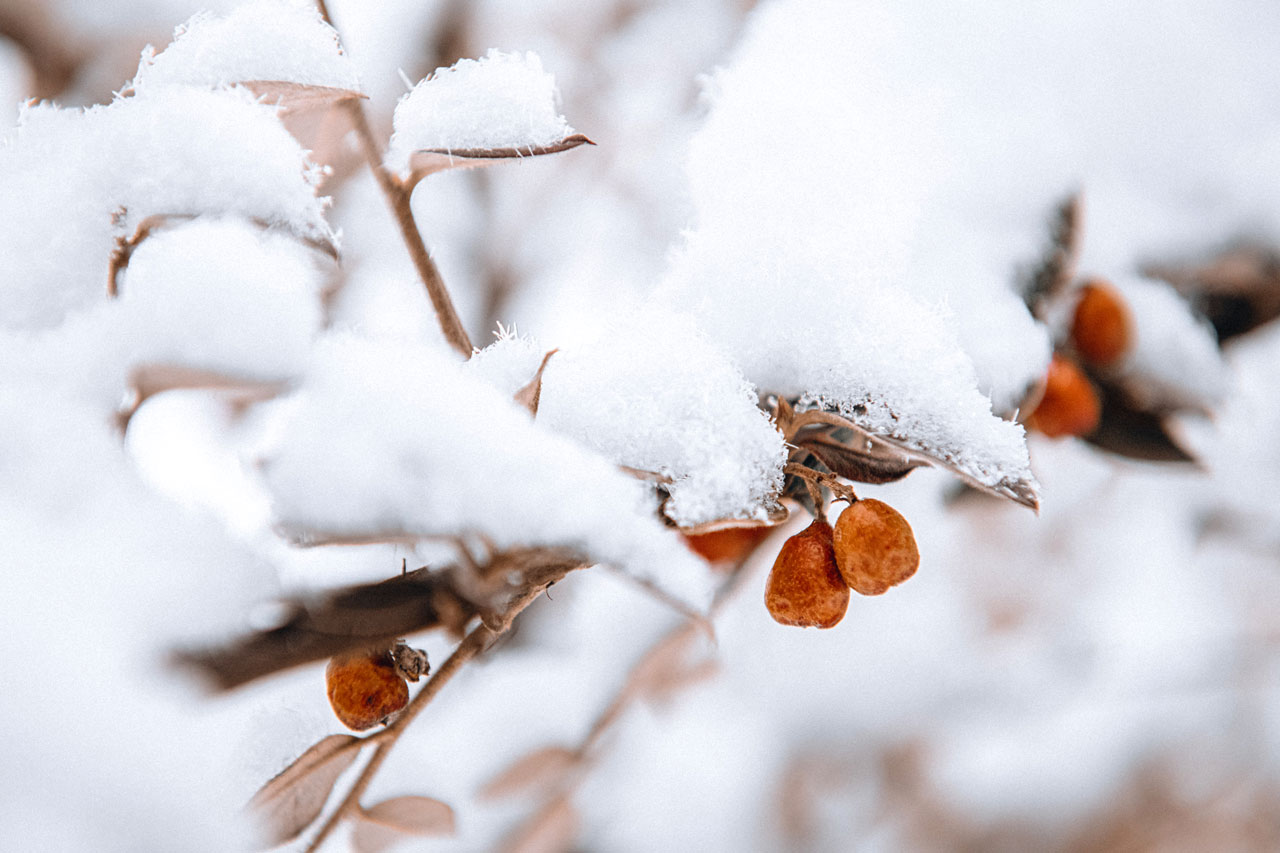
[[841, 490], [479, 639]]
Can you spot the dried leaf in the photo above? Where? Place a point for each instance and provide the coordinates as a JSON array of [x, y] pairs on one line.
[[528, 395], [552, 830], [1056, 269], [287, 804], [293, 97], [428, 161], [1131, 432], [884, 455], [379, 827], [539, 770], [846, 455]]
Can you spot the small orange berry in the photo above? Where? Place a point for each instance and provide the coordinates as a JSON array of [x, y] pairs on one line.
[[365, 688], [804, 586], [728, 546], [1069, 406], [875, 548], [1102, 327]]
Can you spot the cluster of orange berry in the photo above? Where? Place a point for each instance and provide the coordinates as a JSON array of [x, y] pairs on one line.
[[870, 550], [1101, 333]]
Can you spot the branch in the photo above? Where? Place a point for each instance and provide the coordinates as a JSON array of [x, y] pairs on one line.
[[398, 196]]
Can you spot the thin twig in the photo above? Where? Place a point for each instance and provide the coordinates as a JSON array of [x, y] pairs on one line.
[[838, 488], [398, 197], [479, 639]]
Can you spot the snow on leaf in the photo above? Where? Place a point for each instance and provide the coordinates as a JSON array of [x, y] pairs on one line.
[[428, 161], [444, 453], [480, 106], [538, 771], [813, 273], [650, 392], [256, 41], [288, 803], [529, 395], [387, 823]]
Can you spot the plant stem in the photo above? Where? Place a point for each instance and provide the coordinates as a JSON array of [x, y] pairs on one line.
[[398, 196], [473, 644]]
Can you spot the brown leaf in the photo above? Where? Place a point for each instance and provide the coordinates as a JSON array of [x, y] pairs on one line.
[[885, 456], [379, 827], [293, 97], [287, 804], [540, 770], [846, 455], [428, 161], [529, 395], [1131, 432], [778, 513], [552, 830]]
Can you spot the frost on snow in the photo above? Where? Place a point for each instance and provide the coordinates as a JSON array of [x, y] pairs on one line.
[[77, 181], [441, 452], [650, 392], [809, 179], [503, 100], [265, 41]]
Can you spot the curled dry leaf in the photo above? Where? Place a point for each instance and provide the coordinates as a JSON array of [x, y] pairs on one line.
[[540, 770], [383, 825], [288, 803], [883, 458], [1128, 431], [428, 161]]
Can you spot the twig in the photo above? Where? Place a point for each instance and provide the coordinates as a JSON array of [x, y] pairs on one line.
[[398, 196], [473, 644], [839, 489]]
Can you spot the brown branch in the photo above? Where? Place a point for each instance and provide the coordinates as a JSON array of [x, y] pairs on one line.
[[479, 639], [398, 197], [813, 477]]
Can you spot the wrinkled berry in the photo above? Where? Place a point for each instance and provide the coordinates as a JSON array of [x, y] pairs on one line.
[[804, 586], [365, 688], [875, 548]]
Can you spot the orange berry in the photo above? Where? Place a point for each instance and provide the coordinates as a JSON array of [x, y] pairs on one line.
[[804, 587], [1069, 406], [365, 688], [875, 548], [1102, 328], [731, 545]]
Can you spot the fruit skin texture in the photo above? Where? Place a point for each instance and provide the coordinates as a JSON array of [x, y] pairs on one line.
[[804, 587], [364, 689], [1069, 406], [1102, 327], [875, 548]]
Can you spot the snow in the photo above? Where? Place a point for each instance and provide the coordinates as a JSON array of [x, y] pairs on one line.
[[277, 41], [648, 391], [443, 453], [78, 180], [802, 272], [502, 100]]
